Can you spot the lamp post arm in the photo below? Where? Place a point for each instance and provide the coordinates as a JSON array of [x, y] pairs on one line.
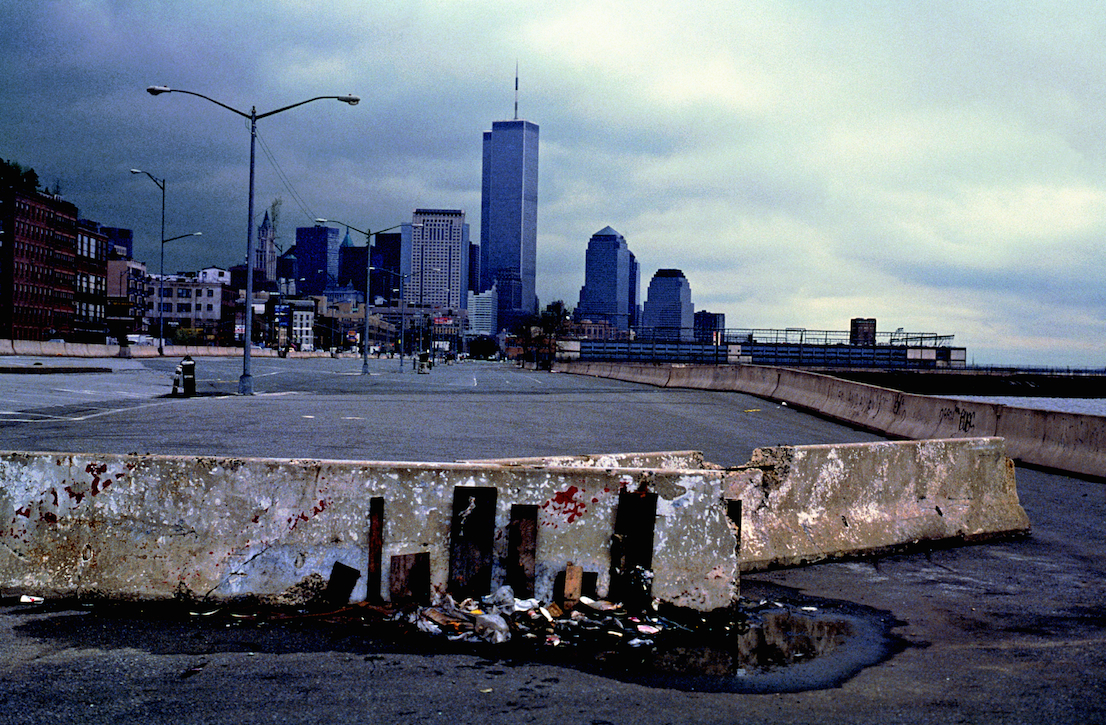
[[155, 90], [182, 236], [351, 100]]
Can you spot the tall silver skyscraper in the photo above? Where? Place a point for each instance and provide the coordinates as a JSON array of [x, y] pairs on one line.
[[669, 314], [509, 218], [611, 282]]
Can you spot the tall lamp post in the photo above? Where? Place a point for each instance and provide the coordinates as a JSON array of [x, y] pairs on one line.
[[245, 383], [368, 281], [161, 280]]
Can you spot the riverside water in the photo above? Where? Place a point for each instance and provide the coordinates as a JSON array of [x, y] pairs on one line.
[[1082, 406]]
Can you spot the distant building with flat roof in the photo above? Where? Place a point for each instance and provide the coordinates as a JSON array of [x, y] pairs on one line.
[[668, 312]]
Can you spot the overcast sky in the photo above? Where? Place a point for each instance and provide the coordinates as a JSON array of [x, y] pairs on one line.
[[939, 165]]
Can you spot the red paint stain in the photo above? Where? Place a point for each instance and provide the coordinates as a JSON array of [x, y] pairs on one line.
[[317, 509], [75, 495], [564, 504]]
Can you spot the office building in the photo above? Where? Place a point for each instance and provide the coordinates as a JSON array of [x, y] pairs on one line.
[[435, 259], [862, 331], [483, 309], [197, 307], [668, 314], [611, 282], [317, 258], [118, 237], [474, 267], [710, 327], [126, 293], [385, 274], [509, 218], [89, 323], [37, 264], [352, 264]]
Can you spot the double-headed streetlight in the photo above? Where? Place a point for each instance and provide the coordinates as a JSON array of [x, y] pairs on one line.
[[402, 308], [245, 383], [368, 282], [161, 280]]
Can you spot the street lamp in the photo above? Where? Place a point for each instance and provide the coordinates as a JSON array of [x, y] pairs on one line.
[[245, 383], [368, 281], [161, 280]]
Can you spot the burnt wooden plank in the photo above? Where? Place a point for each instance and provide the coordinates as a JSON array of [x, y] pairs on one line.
[[340, 585], [522, 549], [733, 512], [471, 536], [376, 549], [574, 584], [632, 549], [409, 578]]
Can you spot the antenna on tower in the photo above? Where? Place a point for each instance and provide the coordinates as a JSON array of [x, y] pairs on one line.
[[516, 89]]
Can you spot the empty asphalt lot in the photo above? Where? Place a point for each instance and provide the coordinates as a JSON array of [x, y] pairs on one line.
[[1004, 632]]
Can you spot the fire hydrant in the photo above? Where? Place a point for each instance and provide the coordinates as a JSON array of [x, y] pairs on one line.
[[188, 376]]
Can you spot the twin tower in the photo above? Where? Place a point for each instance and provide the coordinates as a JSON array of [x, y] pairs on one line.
[[509, 218]]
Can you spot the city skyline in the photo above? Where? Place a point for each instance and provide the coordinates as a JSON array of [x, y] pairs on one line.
[[937, 166]]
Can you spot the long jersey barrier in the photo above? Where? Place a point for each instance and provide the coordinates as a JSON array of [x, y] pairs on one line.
[[1061, 441]]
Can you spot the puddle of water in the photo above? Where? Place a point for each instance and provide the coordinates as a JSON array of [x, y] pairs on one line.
[[779, 645], [778, 642]]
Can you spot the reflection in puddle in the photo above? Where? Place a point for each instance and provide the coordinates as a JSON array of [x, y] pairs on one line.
[[783, 645]]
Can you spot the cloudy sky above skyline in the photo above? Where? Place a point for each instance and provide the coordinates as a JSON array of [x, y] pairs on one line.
[[938, 165]]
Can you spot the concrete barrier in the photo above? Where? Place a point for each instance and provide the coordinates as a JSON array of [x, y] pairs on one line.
[[149, 526], [1062, 441], [657, 375], [27, 347], [803, 504]]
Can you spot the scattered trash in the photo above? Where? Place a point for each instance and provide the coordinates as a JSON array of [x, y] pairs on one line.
[[196, 669]]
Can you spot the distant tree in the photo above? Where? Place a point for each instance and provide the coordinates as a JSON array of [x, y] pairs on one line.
[[538, 334], [16, 176], [484, 347]]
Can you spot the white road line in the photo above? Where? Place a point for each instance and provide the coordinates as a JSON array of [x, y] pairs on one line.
[[47, 418]]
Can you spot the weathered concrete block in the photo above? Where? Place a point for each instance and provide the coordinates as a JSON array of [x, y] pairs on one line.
[[144, 526], [806, 503]]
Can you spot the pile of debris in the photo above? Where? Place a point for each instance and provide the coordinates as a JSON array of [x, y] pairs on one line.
[[500, 617]]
